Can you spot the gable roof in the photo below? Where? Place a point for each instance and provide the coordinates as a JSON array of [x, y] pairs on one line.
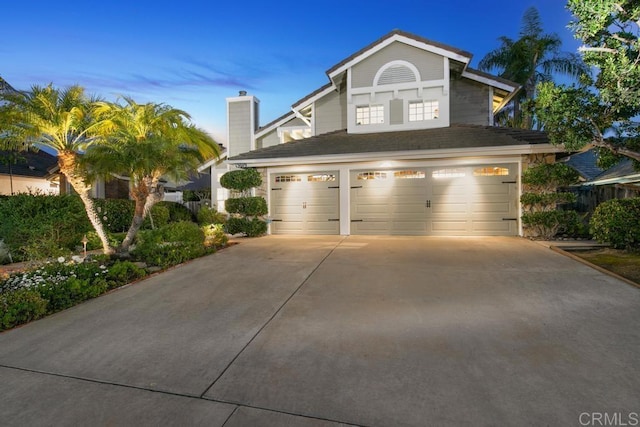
[[400, 35], [6, 87], [37, 164], [457, 136], [623, 172], [585, 164]]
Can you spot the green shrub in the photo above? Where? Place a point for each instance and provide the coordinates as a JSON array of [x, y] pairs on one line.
[[159, 217], [252, 206], [251, 227], [177, 211], [214, 236], [207, 215], [116, 214], [62, 285], [93, 241], [36, 226], [546, 201], [547, 177], [170, 245], [617, 222], [241, 179], [123, 272], [20, 306]]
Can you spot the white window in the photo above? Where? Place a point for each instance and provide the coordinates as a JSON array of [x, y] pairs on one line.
[[423, 110], [362, 176], [409, 174], [321, 178], [491, 171], [369, 115], [288, 178], [448, 173]]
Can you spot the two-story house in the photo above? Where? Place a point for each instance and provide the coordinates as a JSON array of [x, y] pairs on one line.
[[401, 140]]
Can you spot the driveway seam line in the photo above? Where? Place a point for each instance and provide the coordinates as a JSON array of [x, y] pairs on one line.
[[176, 394], [306, 279]]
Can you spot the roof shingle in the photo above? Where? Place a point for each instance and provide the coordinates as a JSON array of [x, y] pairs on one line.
[[455, 136]]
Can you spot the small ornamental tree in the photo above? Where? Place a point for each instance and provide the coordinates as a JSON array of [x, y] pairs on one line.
[[540, 217], [246, 211]]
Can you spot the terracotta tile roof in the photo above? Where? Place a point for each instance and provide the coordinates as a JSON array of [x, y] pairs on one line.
[[455, 136]]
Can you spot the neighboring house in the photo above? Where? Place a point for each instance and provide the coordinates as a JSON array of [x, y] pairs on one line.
[[28, 172], [597, 185], [400, 141]]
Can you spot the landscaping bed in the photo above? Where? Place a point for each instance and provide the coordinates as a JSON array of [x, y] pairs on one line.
[[623, 263]]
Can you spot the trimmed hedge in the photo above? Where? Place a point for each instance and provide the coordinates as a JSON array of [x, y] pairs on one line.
[[36, 226], [251, 206], [252, 227], [617, 222], [241, 179]]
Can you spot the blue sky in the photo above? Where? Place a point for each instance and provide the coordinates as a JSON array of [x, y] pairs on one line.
[[194, 54]]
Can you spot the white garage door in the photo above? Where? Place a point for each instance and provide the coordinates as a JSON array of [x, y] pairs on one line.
[[305, 203], [458, 201]]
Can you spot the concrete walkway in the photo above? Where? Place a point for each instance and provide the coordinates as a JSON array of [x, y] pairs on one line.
[[327, 331]]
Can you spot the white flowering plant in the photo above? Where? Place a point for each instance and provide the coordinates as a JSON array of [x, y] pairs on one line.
[[60, 284]]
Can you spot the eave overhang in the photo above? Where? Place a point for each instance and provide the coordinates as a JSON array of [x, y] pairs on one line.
[[450, 153]]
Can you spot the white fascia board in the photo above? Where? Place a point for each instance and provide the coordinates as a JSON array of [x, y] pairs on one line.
[[479, 152], [213, 162], [627, 179], [489, 81], [266, 130], [406, 40], [300, 105], [242, 98]]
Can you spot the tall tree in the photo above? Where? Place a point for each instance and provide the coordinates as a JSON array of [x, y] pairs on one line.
[[147, 142], [63, 121], [603, 111], [529, 60]]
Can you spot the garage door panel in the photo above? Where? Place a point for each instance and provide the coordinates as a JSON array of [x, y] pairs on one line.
[[305, 203], [289, 227], [502, 227], [479, 208], [448, 208], [326, 227], [449, 200], [449, 226], [492, 189], [409, 227]]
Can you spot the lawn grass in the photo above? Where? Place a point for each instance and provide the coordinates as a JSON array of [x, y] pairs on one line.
[[623, 263]]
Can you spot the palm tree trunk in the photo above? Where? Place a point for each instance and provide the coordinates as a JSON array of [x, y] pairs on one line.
[[136, 223], [139, 191], [156, 194], [67, 162]]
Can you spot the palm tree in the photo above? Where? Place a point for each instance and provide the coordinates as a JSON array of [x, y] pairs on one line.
[[530, 60], [147, 142], [63, 121]]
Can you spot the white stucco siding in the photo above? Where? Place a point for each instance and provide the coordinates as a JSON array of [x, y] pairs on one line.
[[22, 184], [429, 65]]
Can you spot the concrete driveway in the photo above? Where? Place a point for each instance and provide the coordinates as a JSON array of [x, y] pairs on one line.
[[326, 331]]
